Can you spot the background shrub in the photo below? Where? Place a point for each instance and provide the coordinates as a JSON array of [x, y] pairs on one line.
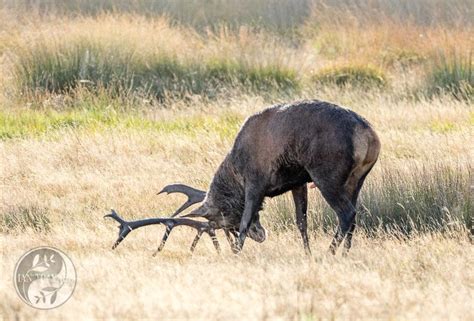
[[351, 75]]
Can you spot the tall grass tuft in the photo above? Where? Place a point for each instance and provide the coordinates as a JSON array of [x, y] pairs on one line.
[[123, 71], [418, 199], [453, 74], [407, 200]]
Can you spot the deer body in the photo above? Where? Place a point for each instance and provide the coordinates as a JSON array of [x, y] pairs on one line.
[[281, 149]]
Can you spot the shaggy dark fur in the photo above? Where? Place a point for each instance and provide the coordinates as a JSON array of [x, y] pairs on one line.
[[283, 148]]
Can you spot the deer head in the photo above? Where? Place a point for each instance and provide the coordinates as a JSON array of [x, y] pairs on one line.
[[209, 227]]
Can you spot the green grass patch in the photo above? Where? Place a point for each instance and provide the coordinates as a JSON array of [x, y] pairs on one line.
[[30, 123], [453, 74], [119, 70], [358, 76], [442, 127], [38, 123]]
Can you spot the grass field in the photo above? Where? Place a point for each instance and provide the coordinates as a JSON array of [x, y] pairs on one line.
[[102, 103]]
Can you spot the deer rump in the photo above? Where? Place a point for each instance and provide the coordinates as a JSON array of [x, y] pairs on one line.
[[279, 149]]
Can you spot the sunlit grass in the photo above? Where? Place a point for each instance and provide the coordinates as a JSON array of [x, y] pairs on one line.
[[36, 124], [102, 103]]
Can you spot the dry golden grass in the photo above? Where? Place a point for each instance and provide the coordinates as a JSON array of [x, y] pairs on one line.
[[401, 50], [130, 55], [427, 278], [67, 158], [75, 176]]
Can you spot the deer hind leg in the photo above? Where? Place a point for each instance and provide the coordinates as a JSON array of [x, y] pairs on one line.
[[355, 196], [342, 205], [366, 151], [300, 197], [365, 170], [332, 183]]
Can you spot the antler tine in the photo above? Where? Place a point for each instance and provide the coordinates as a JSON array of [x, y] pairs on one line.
[[213, 236], [126, 227], [231, 236], [196, 240], [194, 195], [163, 240], [201, 229]]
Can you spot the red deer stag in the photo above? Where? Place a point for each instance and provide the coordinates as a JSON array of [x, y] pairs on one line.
[[280, 149]]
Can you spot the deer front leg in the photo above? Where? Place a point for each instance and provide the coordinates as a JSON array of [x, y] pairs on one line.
[[253, 202], [300, 197]]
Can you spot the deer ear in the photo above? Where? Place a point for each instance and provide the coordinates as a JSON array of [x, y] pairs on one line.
[[198, 212]]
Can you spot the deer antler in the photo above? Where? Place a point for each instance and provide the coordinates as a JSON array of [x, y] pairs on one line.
[[194, 195], [126, 227]]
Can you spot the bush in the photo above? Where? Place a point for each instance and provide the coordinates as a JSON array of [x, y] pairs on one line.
[[451, 74], [121, 71], [352, 75]]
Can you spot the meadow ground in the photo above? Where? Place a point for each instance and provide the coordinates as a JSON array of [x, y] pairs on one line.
[[102, 104], [427, 277]]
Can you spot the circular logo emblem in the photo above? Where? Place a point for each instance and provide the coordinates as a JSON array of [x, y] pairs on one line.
[[44, 278]]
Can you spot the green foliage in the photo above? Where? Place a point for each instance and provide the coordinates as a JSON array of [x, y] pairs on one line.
[[31, 123], [453, 74], [119, 70], [351, 75]]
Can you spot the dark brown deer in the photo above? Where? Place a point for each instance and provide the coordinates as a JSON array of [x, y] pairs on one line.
[[277, 150]]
